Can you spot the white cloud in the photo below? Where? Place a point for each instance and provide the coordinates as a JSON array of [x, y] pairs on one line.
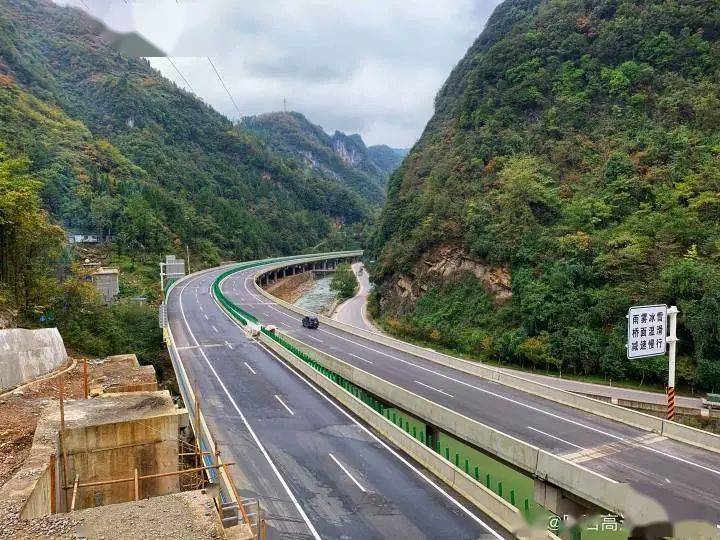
[[366, 66]]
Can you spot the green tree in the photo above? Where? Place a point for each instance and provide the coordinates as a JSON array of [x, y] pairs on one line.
[[343, 281]]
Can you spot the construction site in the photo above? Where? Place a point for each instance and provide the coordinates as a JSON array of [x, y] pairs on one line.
[[91, 448]]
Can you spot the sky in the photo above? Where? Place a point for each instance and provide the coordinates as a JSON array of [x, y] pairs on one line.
[[359, 66]]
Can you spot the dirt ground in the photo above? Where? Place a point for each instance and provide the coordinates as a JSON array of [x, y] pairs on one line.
[[292, 287], [19, 412]]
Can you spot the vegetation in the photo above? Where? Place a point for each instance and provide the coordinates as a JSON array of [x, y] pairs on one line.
[[93, 141], [120, 149], [577, 146], [337, 157], [32, 254], [343, 281]]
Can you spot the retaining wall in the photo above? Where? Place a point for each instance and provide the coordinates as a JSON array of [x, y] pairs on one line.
[[27, 354]]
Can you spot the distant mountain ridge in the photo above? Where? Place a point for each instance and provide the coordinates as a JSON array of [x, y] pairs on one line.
[[119, 148], [343, 157]]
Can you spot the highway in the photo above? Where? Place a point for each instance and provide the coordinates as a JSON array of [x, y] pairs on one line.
[[684, 480], [354, 311], [317, 471]]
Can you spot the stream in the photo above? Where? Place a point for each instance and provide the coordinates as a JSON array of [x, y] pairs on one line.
[[319, 298]]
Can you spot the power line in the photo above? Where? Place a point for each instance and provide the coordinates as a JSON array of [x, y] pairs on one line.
[[225, 87], [181, 75]]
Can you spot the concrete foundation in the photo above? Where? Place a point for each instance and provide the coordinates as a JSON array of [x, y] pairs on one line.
[[27, 354], [113, 451]]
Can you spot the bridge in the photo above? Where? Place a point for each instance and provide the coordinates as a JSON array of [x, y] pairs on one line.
[[499, 446]]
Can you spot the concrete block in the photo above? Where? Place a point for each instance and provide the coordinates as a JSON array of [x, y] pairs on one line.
[[28, 354]]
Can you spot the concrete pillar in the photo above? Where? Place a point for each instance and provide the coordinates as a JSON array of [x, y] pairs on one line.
[[432, 434], [553, 498]]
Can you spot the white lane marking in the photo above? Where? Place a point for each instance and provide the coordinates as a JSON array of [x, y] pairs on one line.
[[285, 314], [558, 439], [687, 462], [228, 345], [201, 308], [206, 317], [433, 388], [250, 368], [360, 358], [500, 396], [314, 338], [248, 290], [383, 444], [250, 429], [283, 404], [350, 476], [531, 407], [215, 329]]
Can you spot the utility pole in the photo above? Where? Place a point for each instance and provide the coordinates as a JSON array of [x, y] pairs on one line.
[[672, 345], [187, 251], [284, 108]]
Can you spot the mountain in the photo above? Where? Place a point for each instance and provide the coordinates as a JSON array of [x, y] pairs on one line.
[[120, 149], [571, 169], [385, 158], [340, 157]]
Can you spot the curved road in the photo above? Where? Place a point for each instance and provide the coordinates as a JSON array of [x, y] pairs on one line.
[[682, 479], [317, 471], [354, 310]]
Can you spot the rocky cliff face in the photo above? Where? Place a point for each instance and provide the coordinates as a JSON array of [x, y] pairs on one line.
[[339, 157], [441, 265]]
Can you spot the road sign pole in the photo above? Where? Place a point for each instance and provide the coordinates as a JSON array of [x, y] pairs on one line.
[[672, 345]]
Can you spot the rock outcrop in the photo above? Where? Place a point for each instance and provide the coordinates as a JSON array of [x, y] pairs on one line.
[[441, 265]]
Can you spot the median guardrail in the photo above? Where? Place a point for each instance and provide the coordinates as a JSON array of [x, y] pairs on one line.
[[672, 430]]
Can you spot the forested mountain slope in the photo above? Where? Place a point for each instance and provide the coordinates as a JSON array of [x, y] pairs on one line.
[[387, 159], [339, 156], [571, 169], [118, 148]]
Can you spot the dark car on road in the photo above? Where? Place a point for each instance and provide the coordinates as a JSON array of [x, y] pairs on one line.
[[310, 322]]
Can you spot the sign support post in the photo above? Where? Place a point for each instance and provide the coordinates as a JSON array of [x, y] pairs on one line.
[[672, 345]]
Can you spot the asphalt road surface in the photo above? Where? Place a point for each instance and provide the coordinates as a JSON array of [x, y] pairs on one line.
[[317, 471], [684, 480]]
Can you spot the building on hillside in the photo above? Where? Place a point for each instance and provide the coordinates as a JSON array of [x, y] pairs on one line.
[[79, 237], [107, 283]]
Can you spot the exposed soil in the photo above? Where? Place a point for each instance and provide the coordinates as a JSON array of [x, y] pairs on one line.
[[292, 287], [19, 412], [21, 408]]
